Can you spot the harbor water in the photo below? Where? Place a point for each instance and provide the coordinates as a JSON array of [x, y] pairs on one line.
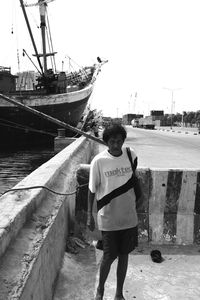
[[16, 165]]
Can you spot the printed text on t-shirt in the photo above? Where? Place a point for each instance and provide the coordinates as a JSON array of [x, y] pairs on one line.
[[118, 172]]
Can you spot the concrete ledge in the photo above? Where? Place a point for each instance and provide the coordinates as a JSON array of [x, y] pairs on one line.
[[17, 206], [34, 224], [178, 130], [62, 142], [29, 267], [170, 206]]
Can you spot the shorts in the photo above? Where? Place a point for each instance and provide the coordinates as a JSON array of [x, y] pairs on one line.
[[119, 242]]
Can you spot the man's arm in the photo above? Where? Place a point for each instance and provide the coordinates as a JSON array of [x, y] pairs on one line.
[[90, 218]]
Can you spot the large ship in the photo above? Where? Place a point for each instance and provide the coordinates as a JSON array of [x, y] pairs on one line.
[[62, 95]]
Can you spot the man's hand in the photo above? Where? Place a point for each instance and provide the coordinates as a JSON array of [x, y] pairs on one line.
[[90, 222]]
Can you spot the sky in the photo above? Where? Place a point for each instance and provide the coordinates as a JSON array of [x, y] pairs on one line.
[[152, 48]]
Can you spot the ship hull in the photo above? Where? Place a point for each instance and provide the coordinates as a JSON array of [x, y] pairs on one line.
[[20, 128]]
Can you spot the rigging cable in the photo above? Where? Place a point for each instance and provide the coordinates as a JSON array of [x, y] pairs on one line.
[[12, 16], [34, 19], [14, 23], [80, 67], [24, 52], [27, 128], [24, 127], [51, 58]]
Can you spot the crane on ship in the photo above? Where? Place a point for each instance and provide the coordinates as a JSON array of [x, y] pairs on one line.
[[46, 74]]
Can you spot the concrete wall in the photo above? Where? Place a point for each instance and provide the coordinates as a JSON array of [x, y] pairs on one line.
[[34, 224], [170, 206], [174, 206]]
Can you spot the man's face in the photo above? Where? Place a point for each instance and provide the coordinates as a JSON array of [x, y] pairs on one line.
[[115, 144]]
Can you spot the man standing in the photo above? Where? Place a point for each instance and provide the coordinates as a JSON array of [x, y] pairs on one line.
[[111, 183]]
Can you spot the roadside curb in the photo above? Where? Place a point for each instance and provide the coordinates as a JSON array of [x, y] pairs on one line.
[[178, 131]]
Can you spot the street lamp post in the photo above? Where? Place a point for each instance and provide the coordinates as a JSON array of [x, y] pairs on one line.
[[182, 121], [172, 101]]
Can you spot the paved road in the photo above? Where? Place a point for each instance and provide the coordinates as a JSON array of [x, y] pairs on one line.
[[165, 149]]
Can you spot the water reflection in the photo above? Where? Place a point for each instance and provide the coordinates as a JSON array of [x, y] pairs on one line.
[[14, 166]]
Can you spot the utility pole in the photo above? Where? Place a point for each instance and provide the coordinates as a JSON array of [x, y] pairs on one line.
[[182, 121], [172, 101], [134, 105], [129, 104]]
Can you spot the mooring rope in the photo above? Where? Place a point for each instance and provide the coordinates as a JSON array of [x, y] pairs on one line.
[[44, 187]]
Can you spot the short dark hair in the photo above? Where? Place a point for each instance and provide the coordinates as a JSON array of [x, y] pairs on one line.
[[113, 130]]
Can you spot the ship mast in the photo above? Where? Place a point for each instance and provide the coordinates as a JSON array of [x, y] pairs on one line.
[[43, 11], [42, 8], [31, 35]]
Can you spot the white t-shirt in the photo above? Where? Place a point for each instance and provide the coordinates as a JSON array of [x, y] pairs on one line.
[[110, 180]]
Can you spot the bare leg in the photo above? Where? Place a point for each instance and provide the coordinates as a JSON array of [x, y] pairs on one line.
[[103, 274], [121, 274]]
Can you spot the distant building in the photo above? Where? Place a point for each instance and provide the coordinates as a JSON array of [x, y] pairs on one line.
[[158, 116], [20, 81], [7, 80], [26, 80], [116, 120], [126, 119], [106, 121], [157, 113]]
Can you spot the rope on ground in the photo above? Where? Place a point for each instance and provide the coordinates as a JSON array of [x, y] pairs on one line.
[[44, 187]]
